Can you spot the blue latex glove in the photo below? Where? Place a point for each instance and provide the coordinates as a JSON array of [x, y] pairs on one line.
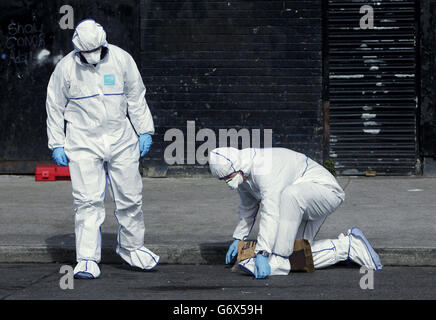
[[232, 252], [60, 157], [261, 268], [144, 143]]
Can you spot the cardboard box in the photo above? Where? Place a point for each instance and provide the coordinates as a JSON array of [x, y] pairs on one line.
[[301, 258]]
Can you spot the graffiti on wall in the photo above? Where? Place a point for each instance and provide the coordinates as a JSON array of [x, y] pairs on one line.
[[22, 41], [26, 41]]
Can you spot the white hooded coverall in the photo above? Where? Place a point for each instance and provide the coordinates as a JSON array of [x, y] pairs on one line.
[[100, 142], [292, 195]]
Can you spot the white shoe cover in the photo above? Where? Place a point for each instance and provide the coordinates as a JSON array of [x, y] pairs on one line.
[[247, 265], [86, 269], [141, 258], [361, 251], [279, 266]]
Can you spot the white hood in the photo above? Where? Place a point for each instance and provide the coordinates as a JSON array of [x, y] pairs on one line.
[[224, 161], [89, 35]]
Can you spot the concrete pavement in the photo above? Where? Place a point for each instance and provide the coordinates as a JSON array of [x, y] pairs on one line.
[[191, 220]]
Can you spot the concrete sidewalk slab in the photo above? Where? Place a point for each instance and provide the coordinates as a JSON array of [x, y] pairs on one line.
[[191, 220]]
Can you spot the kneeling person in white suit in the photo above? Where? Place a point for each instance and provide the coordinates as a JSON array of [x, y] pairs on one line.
[[292, 195], [93, 89]]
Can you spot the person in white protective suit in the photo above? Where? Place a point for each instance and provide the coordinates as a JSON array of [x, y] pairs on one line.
[[94, 89], [292, 195]]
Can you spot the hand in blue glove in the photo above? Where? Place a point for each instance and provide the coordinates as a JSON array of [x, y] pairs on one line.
[[144, 143], [261, 268], [232, 252], [60, 157]]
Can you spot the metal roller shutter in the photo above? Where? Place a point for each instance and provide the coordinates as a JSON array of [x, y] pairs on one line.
[[372, 87]]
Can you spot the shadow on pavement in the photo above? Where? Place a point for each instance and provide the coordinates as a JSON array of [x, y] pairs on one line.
[[62, 248]]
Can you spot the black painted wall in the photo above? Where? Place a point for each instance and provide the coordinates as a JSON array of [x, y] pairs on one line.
[[234, 64], [428, 79], [223, 64], [31, 28]]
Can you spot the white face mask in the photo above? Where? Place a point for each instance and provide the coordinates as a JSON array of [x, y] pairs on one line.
[[233, 183], [92, 57]]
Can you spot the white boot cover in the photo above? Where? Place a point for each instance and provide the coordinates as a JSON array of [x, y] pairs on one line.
[[279, 266], [86, 269], [247, 265], [361, 251], [352, 247], [329, 252], [141, 258]]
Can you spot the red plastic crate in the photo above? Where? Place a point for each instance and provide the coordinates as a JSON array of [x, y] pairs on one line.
[[51, 172]]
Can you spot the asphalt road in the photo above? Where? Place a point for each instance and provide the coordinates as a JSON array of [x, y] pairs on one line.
[[216, 282]]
